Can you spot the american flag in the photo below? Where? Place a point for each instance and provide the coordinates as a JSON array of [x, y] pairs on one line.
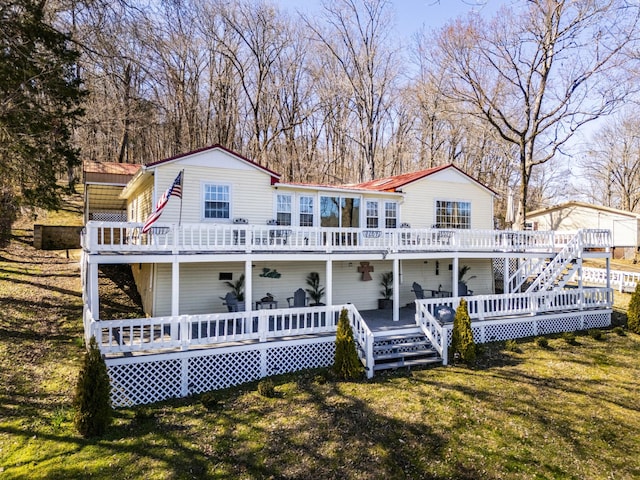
[[176, 190]]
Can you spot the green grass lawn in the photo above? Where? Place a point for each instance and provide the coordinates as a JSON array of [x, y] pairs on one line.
[[567, 411]]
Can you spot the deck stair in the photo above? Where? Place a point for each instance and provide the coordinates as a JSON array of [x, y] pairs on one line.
[[560, 269], [403, 350]]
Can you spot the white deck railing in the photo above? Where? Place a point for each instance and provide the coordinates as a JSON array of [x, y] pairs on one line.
[[491, 307], [363, 336], [127, 237], [618, 279], [184, 331]]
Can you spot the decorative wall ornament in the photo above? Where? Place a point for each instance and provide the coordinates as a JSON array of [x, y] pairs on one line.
[[365, 269], [268, 273]]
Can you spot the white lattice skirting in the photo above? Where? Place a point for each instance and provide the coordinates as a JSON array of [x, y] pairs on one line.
[[500, 330], [152, 378]]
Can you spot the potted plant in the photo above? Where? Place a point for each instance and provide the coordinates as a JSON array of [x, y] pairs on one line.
[[237, 288], [462, 282], [386, 281], [315, 291]]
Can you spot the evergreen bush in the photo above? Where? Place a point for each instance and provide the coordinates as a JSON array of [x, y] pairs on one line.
[[511, 346], [462, 336], [346, 364], [633, 312], [596, 334], [267, 388], [8, 215], [542, 342], [619, 331], [92, 402]]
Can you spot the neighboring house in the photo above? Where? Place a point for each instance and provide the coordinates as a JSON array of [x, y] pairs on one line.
[[573, 216], [237, 218], [103, 183]]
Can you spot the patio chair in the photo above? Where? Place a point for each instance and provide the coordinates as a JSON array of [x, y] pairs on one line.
[[231, 301], [463, 290], [417, 289], [298, 300]]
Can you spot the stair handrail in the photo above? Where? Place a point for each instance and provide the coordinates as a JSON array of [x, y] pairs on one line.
[[437, 334], [528, 268], [363, 337], [553, 270]]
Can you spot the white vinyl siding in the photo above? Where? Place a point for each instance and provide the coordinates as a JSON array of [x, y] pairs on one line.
[[251, 189], [418, 208]]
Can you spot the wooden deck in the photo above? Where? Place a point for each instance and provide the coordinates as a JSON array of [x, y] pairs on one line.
[[382, 320]]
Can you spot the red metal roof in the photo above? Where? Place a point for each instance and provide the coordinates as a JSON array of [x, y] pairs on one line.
[[111, 168], [214, 147], [392, 184]]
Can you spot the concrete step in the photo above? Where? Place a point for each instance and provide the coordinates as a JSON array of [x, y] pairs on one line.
[[398, 355], [407, 363], [398, 339], [401, 346]]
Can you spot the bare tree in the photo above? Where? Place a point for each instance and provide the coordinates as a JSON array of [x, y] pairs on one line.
[[612, 165], [356, 36], [537, 75]]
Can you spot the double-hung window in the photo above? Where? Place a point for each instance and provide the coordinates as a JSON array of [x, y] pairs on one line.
[[390, 215], [283, 209], [217, 202], [306, 211], [453, 214], [371, 213]]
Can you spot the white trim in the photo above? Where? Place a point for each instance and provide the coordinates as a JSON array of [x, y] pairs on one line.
[[203, 185], [349, 191], [457, 200], [292, 198], [366, 216], [314, 203]]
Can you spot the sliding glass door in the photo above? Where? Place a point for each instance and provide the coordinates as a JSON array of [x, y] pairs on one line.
[[339, 212]]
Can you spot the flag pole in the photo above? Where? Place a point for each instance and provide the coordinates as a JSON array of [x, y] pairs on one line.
[[182, 186]]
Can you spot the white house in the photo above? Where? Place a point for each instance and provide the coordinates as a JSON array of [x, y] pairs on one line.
[[431, 230], [572, 216]]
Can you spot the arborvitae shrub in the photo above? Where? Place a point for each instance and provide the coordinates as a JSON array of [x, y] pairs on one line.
[[267, 388], [92, 403], [633, 312], [462, 335], [346, 364]]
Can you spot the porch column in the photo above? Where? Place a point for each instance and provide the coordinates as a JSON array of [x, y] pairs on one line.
[[94, 302], [505, 276], [175, 297], [396, 290], [608, 266], [248, 285], [454, 277], [580, 283], [329, 288]]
